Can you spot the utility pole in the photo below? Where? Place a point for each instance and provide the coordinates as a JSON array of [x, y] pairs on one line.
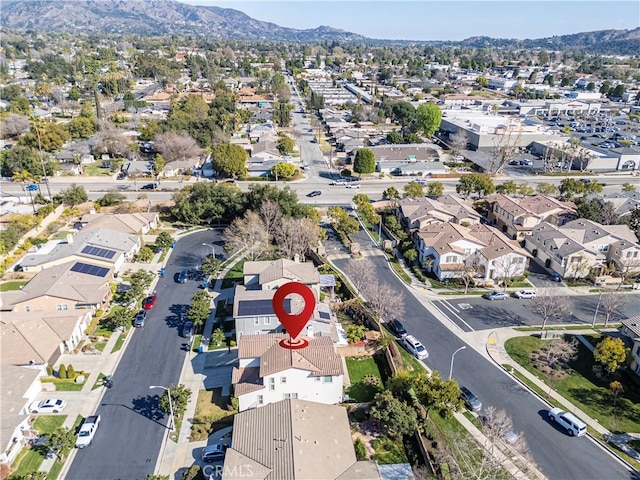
[[44, 168]]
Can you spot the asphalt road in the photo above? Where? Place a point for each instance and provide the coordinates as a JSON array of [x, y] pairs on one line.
[[473, 313], [128, 441], [559, 456]]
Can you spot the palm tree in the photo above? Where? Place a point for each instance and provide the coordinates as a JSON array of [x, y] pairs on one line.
[[24, 177]]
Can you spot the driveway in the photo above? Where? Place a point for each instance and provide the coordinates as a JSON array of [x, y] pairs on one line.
[[217, 366], [540, 277]]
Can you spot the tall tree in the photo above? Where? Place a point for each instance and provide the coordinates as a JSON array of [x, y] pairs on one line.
[[74, 195], [364, 162], [230, 160], [200, 308], [428, 118], [396, 417], [176, 146], [248, 233]]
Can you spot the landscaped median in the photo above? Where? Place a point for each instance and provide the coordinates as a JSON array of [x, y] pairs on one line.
[[580, 380]]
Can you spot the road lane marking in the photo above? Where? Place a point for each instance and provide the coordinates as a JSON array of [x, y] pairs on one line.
[[446, 305]]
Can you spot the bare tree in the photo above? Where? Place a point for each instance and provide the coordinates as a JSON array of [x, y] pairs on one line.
[[611, 302], [484, 459], [271, 215], [469, 272], [625, 268], [578, 267], [384, 300], [249, 234], [507, 267], [177, 146], [361, 273], [296, 236], [112, 140], [559, 352], [13, 125], [458, 142], [549, 306], [505, 148]]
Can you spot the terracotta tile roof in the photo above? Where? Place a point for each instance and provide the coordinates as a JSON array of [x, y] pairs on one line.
[[246, 380], [319, 358]]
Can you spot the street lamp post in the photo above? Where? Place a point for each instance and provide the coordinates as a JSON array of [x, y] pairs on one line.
[[170, 426], [595, 315], [452, 357], [213, 250]]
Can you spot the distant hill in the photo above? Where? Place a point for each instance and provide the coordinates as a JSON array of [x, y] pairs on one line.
[[162, 17], [623, 42], [156, 17]]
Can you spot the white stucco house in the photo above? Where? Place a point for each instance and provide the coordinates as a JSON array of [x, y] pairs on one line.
[[446, 248], [267, 373]]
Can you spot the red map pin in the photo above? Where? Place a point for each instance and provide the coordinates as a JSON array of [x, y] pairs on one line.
[[294, 324]]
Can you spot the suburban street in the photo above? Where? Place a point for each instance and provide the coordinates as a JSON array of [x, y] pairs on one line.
[[475, 313], [557, 455], [128, 441]]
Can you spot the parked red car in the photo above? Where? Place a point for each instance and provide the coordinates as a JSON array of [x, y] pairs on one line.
[[149, 302]]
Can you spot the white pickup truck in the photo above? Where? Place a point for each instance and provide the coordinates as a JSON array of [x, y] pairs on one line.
[[87, 431]]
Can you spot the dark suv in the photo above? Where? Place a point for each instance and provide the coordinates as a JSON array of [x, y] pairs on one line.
[[470, 400], [397, 328]]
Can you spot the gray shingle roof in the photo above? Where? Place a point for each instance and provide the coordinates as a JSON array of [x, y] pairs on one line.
[[294, 439]]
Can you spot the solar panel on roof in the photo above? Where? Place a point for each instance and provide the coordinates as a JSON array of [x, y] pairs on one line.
[[259, 307], [324, 315], [88, 269], [98, 252]]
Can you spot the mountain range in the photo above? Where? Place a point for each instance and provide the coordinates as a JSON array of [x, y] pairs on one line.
[[162, 17]]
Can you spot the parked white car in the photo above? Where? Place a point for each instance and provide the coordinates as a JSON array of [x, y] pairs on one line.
[[416, 349], [567, 420], [525, 294], [50, 405]]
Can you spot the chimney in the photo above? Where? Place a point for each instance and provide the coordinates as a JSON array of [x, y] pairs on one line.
[[69, 238], [296, 258], [310, 331]]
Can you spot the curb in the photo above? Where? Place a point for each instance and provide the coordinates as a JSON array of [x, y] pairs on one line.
[[594, 439]]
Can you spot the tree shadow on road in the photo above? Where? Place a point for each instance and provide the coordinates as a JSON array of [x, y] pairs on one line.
[[148, 406]]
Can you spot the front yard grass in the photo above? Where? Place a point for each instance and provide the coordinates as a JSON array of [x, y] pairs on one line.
[[583, 387], [234, 275], [411, 363], [211, 414], [13, 285], [120, 341], [359, 368], [48, 423]]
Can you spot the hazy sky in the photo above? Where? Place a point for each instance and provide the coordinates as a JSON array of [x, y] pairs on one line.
[[443, 20]]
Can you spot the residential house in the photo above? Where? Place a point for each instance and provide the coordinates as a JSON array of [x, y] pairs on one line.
[[267, 373], [266, 150], [100, 246], [271, 274], [180, 167], [417, 213], [517, 216], [624, 203], [262, 131], [70, 286], [294, 439], [133, 223], [20, 387], [576, 248], [253, 314], [630, 329], [39, 338], [259, 167], [446, 248]]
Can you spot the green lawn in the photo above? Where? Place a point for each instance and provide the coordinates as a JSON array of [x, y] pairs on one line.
[[13, 285], [583, 388], [95, 170], [359, 368], [120, 341], [29, 461], [234, 275], [66, 385], [48, 423]]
